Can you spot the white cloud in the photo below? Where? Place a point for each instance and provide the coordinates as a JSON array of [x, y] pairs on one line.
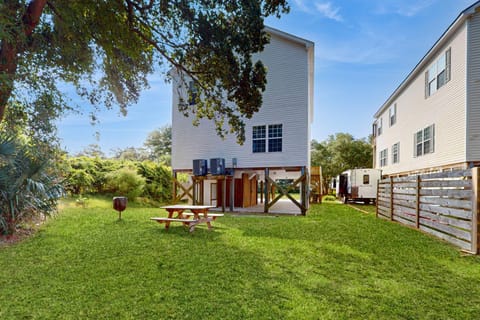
[[407, 8], [327, 10]]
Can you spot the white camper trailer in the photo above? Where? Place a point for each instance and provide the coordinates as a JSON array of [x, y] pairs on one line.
[[358, 185]]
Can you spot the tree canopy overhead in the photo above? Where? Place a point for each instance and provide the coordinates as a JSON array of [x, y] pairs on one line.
[[106, 49]]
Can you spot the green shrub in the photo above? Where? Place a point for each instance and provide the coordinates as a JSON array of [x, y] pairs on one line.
[[125, 182], [329, 198], [158, 180]]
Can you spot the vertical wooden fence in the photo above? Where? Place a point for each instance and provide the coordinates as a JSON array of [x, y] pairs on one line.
[[444, 204]]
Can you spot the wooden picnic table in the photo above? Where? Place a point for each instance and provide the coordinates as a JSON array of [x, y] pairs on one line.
[[176, 213]]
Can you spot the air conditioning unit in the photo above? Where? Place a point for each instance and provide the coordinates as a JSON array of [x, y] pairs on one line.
[[200, 167], [217, 166]]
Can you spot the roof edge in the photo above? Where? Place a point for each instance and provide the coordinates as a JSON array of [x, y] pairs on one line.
[[289, 36]]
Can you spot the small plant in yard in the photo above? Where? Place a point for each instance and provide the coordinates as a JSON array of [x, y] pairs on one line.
[[28, 186], [125, 182], [329, 198]]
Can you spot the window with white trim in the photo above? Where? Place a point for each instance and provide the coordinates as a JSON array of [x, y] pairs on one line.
[[424, 141], [261, 142], [259, 139], [392, 115], [379, 126], [383, 157], [438, 74], [275, 138], [396, 153]]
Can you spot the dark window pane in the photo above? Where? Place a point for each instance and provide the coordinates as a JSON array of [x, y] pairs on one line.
[[275, 131], [258, 145], [366, 179], [259, 132], [275, 145]]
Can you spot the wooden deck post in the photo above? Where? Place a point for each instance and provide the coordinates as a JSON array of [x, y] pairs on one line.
[[267, 191], [194, 181], [391, 198], [417, 204], [262, 192], [174, 186], [475, 209], [224, 193], [304, 187], [232, 191]]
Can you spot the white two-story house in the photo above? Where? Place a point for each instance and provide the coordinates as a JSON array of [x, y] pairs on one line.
[[277, 141], [431, 122]]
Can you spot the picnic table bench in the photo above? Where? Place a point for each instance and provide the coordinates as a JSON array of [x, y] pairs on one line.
[[199, 214]]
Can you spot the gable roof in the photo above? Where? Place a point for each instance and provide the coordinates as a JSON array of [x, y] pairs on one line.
[[288, 36], [456, 24]]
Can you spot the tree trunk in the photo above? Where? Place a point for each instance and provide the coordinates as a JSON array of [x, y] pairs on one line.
[[9, 51]]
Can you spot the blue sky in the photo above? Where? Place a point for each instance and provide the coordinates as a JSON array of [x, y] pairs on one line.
[[363, 50]]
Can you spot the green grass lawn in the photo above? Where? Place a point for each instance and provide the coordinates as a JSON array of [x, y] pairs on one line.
[[335, 263]]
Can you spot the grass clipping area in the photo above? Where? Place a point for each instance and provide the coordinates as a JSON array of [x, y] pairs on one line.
[[335, 263]]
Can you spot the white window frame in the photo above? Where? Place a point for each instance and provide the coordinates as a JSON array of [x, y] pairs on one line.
[[383, 158], [396, 153], [271, 132], [392, 115], [424, 141], [438, 74], [257, 138], [379, 126]]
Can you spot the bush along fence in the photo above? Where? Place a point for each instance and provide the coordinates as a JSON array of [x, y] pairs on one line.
[[444, 204]]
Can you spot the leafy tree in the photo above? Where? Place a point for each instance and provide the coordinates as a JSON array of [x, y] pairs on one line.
[[340, 152], [106, 50], [131, 153], [159, 142], [93, 151]]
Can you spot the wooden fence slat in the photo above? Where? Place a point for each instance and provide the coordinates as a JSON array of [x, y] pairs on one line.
[[458, 223], [448, 203], [437, 203], [446, 183], [475, 211], [459, 194], [405, 214], [458, 233], [459, 243], [459, 213], [447, 174], [404, 221], [406, 204]]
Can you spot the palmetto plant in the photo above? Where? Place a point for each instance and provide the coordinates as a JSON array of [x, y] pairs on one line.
[[27, 187]]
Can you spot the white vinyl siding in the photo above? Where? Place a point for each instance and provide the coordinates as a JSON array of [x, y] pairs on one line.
[[285, 101], [473, 97], [446, 109]]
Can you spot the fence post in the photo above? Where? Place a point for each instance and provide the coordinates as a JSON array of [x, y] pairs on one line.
[[475, 209], [391, 198], [417, 209], [376, 199]]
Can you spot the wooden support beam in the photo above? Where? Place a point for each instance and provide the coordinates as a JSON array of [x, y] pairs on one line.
[[475, 210], [391, 198], [267, 190], [417, 202]]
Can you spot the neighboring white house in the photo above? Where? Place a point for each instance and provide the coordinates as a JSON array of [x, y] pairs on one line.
[[431, 122], [277, 137]]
